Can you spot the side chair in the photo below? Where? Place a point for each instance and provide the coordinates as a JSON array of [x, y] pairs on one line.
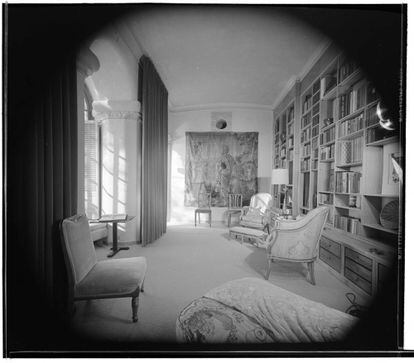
[[90, 279]]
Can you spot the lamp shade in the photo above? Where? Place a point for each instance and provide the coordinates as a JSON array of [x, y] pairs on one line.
[[280, 176]]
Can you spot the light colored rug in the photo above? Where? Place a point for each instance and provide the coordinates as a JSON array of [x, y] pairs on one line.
[[184, 264]]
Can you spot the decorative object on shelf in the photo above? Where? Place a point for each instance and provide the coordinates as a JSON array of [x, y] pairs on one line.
[[281, 177], [384, 118], [389, 216]]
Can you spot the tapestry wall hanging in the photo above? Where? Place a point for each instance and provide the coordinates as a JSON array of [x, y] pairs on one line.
[[220, 163]]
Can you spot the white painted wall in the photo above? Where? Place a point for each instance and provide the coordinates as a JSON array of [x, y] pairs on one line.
[[243, 120]]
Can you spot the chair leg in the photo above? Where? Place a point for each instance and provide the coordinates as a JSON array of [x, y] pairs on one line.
[[195, 219], [142, 285], [134, 304], [269, 262], [311, 272], [210, 218]]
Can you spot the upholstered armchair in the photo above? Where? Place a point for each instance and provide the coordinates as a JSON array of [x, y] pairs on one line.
[[256, 215], [297, 240], [92, 279]]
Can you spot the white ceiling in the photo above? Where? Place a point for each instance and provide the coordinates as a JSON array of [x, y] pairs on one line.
[[215, 55]]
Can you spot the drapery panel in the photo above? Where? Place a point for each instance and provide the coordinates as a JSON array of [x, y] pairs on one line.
[[153, 96], [42, 189]]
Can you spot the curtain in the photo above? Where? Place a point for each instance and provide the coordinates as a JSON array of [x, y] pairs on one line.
[[41, 191], [154, 105]]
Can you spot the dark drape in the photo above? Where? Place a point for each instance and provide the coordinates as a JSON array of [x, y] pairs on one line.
[[41, 191], [154, 105]]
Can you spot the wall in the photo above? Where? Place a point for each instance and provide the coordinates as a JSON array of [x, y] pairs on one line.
[[114, 89], [243, 120]]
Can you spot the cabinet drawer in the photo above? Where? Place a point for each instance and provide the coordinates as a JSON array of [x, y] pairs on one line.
[[357, 257], [330, 246], [383, 272], [358, 269], [359, 281], [330, 259]]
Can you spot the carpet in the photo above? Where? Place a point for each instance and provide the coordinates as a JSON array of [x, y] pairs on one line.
[[184, 264]]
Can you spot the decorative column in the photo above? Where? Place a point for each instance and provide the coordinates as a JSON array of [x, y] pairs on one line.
[[121, 163]]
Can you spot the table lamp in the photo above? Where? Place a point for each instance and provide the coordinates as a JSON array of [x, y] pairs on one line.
[[280, 177]]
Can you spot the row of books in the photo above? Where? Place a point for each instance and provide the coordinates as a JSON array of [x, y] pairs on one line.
[[307, 103], [315, 109], [306, 149], [350, 101], [315, 131], [348, 224], [315, 163], [378, 133], [327, 152], [305, 165], [315, 120], [327, 136], [290, 141], [352, 125], [346, 69], [290, 129], [282, 152], [371, 117], [305, 135], [347, 182], [325, 198], [306, 120], [350, 151], [328, 82], [315, 143]]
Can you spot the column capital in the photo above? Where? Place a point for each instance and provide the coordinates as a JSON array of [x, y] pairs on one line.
[[119, 109]]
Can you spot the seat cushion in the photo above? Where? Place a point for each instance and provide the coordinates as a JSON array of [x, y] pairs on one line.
[[112, 278]]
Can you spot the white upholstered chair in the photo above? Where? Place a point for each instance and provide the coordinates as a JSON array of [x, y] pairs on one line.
[[91, 279], [256, 215], [297, 240]]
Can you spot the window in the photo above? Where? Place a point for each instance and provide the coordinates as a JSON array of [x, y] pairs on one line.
[[92, 181]]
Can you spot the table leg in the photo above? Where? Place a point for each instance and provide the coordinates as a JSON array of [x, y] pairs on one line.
[[115, 248]]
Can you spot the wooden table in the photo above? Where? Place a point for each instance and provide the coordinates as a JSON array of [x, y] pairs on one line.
[[115, 219]]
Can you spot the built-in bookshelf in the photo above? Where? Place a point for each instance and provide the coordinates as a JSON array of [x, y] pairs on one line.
[[284, 149], [344, 162]]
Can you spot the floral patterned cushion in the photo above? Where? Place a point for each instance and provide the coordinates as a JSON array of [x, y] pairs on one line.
[[252, 310]]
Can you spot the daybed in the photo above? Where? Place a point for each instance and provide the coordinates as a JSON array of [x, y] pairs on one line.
[[252, 310]]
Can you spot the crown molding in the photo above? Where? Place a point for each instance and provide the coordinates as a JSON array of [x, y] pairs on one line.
[[306, 69], [220, 106], [314, 58], [286, 89]]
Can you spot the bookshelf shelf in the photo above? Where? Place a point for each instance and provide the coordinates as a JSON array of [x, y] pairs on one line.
[[352, 135], [380, 228], [395, 196], [348, 208], [330, 160], [350, 165], [328, 127], [351, 79], [341, 193], [382, 142], [325, 192], [328, 143]]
